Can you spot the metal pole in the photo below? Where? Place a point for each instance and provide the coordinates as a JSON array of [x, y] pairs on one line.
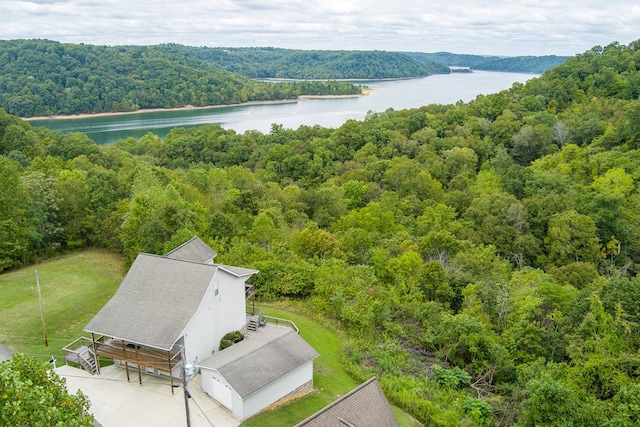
[[184, 385], [44, 327]]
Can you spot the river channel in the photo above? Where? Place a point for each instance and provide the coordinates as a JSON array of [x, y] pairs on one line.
[[326, 112]]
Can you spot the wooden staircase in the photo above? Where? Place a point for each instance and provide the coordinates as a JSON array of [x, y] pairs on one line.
[[85, 357], [255, 322]]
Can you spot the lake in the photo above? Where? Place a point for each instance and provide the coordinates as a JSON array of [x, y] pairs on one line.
[[326, 112]]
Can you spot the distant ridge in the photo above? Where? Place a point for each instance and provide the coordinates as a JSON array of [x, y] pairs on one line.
[[266, 62], [44, 77], [516, 64]]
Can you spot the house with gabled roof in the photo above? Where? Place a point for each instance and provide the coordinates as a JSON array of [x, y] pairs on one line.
[[271, 366], [364, 406], [169, 310], [168, 317]]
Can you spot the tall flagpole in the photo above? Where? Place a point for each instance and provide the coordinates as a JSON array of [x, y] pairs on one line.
[[44, 327]]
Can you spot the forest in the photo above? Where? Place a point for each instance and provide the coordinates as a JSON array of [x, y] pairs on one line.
[[279, 63], [42, 77], [481, 258], [520, 64]]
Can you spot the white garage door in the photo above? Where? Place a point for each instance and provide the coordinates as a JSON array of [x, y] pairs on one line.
[[222, 393]]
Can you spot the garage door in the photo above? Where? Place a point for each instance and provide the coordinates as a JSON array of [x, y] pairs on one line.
[[222, 393]]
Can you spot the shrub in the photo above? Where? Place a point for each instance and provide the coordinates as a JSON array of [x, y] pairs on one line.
[[230, 339]]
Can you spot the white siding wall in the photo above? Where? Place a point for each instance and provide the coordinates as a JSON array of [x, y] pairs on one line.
[[277, 390], [208, 377], [216, 316], [230, 305]]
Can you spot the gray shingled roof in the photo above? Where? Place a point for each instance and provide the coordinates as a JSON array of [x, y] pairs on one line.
[[364, 406], [237, 271], [193, 250], [155, 301], [259, 360]]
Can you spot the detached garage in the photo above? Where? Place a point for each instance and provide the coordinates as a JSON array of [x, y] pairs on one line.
[[273, 365]]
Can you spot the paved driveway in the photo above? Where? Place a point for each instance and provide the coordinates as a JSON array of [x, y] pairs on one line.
[[118, 403], [5, 353]]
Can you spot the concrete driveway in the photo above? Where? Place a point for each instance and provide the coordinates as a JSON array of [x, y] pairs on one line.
[[118, 403], [5, 353]]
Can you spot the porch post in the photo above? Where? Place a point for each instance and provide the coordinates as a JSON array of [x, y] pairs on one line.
[[95, 355], [126, 359], [170, 370], [138, 362]]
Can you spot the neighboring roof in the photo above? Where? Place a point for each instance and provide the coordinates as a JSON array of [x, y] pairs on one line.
[[193, 250], [155, 302], [364, 406], [261, 359]]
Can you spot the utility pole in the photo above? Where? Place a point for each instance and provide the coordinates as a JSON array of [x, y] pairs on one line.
[[184, 385], [44, 327]]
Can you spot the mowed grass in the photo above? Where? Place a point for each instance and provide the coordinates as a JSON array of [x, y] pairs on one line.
[[74, 288], [330, 380]]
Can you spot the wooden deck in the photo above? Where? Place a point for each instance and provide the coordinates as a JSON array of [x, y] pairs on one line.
[[80, 353], [137, 355]]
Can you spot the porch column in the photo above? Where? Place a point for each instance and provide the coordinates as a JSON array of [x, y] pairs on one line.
[[170, 370], [95, 355], [138, 362]]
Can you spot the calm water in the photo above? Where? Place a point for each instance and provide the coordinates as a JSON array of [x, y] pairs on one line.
[[396, 94]]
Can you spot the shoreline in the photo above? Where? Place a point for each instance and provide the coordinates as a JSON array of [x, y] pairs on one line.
[[365, 92]]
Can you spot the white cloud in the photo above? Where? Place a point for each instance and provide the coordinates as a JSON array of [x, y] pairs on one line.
[[500, 27]]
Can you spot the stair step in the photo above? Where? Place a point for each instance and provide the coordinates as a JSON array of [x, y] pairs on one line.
[[85, 358]]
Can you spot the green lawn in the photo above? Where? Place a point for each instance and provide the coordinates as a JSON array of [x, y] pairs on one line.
[[330, 380], [74, 288]]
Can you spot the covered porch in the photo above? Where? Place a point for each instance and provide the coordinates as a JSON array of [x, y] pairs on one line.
[[87, 352]]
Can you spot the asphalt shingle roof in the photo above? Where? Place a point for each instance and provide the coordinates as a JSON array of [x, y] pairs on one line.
[[155, 301], [257, 361], [193, 250], [364, 406], [237, 271]]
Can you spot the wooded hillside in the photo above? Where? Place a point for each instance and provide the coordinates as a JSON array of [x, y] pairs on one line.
[[41, 77], [520, 64], [482, 257], [314, 64]]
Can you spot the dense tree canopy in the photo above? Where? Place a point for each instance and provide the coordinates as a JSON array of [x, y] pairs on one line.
[[33, 395], [481, 257], [314, 64], [521, 64], [41, 77]]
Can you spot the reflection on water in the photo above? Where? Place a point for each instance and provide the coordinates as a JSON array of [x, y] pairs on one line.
[[396, 94]]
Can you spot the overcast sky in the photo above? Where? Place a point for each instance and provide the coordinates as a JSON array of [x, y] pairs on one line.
[[492, 27]]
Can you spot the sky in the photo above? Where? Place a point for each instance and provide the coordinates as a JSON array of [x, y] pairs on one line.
[[481, 27]]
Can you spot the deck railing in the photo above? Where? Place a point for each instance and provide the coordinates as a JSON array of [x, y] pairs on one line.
[[73, 347], [282, 322], [73, 350], [80, 352], [138, 355], [262, 319]]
